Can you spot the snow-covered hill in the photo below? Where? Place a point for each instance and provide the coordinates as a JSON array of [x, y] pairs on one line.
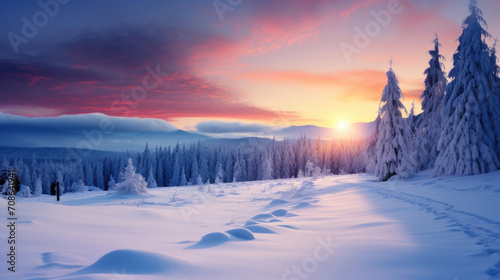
[[339, 227]]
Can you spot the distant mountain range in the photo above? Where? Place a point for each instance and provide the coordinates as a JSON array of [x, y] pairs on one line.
[[102, 132], [91, 131], [356, 130]]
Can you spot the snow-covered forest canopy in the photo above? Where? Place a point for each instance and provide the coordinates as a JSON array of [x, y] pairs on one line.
[[200, 163]]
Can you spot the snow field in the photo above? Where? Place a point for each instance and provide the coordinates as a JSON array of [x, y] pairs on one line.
[[338, 227]]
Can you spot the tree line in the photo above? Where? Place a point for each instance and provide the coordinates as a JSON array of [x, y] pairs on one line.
[[458, 132], [197, 164]]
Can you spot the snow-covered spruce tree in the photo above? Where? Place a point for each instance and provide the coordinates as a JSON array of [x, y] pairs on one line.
[[237, 174], [99, 176], [267, 167], [176, 176], [429, 129], [89, 176], [47, 179], [183, 177], [38, 187], [287, 159], [78, 187], [25, 192], [159, 173], [300, 174], [371, 152], [151, 180], [111, 184], [309, 169], [412, 119], [132, 183], [414, 137], [204, 169], [316, 172], [195, 172], [496, 81], [26, 179], [145, 164], [35, 170], [199, 181], [392, 147], [59, 179], [220, 174], [471, 110], [5, 187]]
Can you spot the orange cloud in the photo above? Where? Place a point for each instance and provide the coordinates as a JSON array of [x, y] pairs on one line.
[[356, 85]]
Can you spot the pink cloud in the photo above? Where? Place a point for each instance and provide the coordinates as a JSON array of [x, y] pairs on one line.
[[35, 79], [358, 5]]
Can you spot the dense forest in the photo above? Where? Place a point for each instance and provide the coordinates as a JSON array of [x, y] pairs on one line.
[[199, 163]]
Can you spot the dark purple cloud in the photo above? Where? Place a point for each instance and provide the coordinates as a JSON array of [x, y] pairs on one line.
[[98, 71]]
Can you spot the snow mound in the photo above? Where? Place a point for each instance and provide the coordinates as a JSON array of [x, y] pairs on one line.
[[61, 261], [279, 213], [211, 240], [490, 251], [276, 202], [261, 217], [241, 233], [307, 184], [493, 271], [94, 189], [132, 262], [58, 266], [250, 223], [260, 229], [303, 205], [51, 257], [372, 224], [288, 226]]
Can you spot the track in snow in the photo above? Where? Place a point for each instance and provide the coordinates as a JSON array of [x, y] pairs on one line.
[[486, 231]]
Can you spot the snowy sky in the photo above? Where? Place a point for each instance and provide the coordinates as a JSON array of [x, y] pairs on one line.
[[276, 63]]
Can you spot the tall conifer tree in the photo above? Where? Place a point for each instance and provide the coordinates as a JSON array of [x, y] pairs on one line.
[[471, 110]]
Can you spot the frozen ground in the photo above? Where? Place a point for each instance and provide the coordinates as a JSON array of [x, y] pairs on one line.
[[341, 227]]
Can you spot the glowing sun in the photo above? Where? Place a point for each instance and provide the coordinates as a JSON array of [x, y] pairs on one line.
[[342, 125]]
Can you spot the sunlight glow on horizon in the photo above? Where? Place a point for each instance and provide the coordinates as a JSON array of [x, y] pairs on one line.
[[342, 126]]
